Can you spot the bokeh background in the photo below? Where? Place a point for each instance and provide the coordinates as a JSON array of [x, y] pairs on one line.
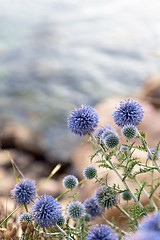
[[58, 54]]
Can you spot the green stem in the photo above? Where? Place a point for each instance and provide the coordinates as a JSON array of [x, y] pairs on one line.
[[15, 210], [147, 195], [149, 151], [126, 185], [118, 174], [68, 190], [63, 232], [124, 212], [113, 226], [25, 205]]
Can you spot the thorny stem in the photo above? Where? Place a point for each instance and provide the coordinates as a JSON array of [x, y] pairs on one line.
[[113, 226], [146, 193], [124, 212], [126, 185], [120, 177], [63, 232], [149, 151]]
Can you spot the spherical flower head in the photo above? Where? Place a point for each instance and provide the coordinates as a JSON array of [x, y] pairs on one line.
[[90, 172], [129, 131], [129, 112], [46, 211], [83, 120], [124, 149], [92, 207], [111, 141], [24, 192], [25, 217], [70, 182], [76, 210], [101, 133], [61, 221], [154, 154], [106, 196], [101, 232], [151, 223], [126, 196], [87, 217], [98, 133]]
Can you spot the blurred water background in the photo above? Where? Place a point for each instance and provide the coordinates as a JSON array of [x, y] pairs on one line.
[[58, 54]]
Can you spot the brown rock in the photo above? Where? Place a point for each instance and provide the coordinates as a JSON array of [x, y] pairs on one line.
[[151, 91], [51, 187], [22, 138]]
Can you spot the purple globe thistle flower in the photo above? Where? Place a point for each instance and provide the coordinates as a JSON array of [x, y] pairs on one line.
[[25, 217], [98, 133], [101, 133], [106, 196], [90, 172], [155, 154], [101, 232], [111, 140], [61, 221], [124, 149], [129, 131], [24, 192], [83, 120], [76, 210], [151, 223], [87, 217], [46, 211], [129, 112], [70, 181], [92, 207]]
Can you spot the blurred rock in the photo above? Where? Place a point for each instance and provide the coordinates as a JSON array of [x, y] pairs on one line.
[[52, 187], [151, 91], [22, 138], [24, 154]]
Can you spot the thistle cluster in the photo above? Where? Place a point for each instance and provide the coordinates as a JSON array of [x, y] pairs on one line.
[[136, 219]]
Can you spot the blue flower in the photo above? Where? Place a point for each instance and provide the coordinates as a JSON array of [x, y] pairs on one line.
[[129, 112], [92, 207], [151, 223], [24, 192], [76, 210], [102, 133], [83, 120], [70, 181], [90, 172], [106, 196], [102, 232], [111, 140], [25, 217], [129, 131], [124, 149], [46, 211], [155, 154], [61, 221]]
